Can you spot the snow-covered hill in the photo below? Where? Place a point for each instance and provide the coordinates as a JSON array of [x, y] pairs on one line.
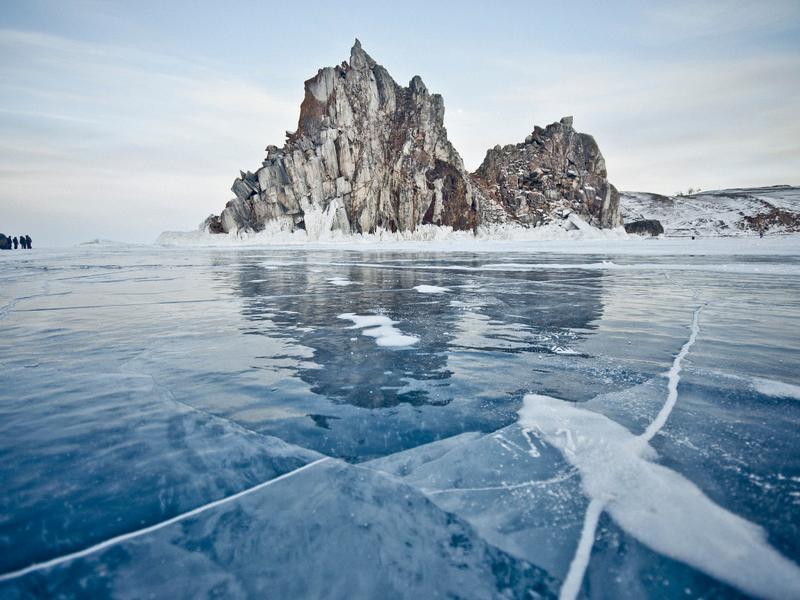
[[738, 211]]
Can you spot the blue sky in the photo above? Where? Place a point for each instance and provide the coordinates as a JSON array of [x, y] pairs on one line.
[[120, 120]]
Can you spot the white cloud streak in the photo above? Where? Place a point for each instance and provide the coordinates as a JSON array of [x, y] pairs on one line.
[[119, 142]]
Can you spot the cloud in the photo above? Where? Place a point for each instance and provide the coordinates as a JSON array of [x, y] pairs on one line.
[[683, 19], [122, 142], [662, 125]]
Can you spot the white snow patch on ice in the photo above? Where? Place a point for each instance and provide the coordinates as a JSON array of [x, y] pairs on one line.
[[778, 389], [380, 327], [658, 506], [431, 289], [563, 350], [341, 281], [758, 268]]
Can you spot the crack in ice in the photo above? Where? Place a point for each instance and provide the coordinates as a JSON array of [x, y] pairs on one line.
[[510, 486], [580, 561], [140, 532], [674, 375], [656, 505]]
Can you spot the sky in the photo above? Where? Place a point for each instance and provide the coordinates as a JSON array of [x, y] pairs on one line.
[[120, 120]]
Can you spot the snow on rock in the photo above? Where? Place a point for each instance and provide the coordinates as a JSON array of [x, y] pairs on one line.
[[382, 328], [728, 212]]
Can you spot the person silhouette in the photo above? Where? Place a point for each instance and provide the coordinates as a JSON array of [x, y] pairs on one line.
[[22, 242], [28, 241], [16, 243]]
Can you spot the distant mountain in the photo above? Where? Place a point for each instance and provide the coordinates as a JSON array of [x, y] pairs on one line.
[[737, 211], [369, 154]]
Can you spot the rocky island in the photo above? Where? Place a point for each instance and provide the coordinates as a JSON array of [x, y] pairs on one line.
[[369, 154]]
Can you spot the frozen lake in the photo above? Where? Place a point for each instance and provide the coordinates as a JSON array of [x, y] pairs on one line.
[[412, 421]]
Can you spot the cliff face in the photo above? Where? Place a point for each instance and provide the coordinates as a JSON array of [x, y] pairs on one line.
[[370, 154], [367, 154], [554, 172]]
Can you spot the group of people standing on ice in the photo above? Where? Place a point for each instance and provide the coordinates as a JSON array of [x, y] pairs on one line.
[[6, 243]]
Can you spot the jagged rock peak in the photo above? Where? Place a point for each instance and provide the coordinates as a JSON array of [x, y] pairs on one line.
[[367, 154], [556, 171], [359, 59], [370, 154]]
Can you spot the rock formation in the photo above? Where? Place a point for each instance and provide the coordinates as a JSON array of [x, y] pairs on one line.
[[554, 172], [645, 227], [369, 154]]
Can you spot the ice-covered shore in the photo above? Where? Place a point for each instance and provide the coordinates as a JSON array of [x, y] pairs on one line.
[[319, 230], [506, 239]]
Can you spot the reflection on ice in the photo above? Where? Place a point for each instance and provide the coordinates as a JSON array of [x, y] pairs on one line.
[[164, 412]]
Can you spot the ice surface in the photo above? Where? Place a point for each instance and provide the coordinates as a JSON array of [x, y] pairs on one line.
[[332, 530], [657, 505], [163, 412]]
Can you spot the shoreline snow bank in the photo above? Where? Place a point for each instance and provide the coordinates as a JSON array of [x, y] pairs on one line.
[[610, 242], [574, 229]]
